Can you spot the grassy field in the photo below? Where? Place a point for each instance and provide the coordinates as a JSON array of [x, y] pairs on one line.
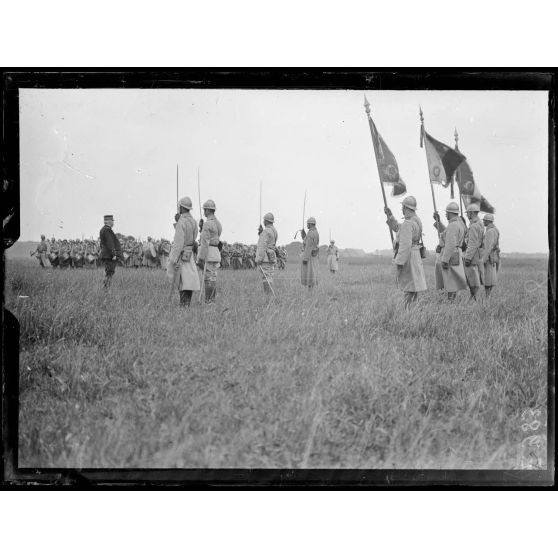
[[342, 378]]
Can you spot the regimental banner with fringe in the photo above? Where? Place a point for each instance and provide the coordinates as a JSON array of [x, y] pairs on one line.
[[387, 164], [469, 190], [442, 159]]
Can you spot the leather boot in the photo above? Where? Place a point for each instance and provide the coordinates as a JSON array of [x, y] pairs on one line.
[[208, 290], [185, 297], [188, 297], [213, 292]]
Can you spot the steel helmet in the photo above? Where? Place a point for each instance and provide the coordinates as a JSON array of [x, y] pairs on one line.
[[473, 207], [488, 217], [209, 204], [185, 202], [332, 241], [452, 207], [410, 203], [269, 217], [311, 221]]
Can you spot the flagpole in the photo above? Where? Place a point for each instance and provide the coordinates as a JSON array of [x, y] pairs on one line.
[[456, 136], [422, 139], [177, 186], [367, 109]]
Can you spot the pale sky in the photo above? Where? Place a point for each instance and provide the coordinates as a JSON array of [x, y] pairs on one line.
[[88, 152]]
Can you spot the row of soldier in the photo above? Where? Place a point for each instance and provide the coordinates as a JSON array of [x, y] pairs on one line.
[[467, 256], [151, 253]]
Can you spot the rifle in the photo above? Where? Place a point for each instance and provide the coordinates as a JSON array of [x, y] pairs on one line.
[[199, 201], [303, 215]]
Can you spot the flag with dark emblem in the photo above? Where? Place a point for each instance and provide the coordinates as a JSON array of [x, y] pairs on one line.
[[442, 159], [387, 165], [469, 189]]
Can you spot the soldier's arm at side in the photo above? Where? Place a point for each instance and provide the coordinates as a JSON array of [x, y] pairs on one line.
[[474, 242], [449, 247], [262, 245], [489, 242], [405, 243], [178, 244], [204, 241]]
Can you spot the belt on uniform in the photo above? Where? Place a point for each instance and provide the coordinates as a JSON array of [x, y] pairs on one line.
[[215, 245]]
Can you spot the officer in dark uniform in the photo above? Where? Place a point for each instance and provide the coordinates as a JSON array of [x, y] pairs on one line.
[[110, 249]]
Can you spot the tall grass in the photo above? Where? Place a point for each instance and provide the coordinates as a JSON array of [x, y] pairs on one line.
[[343, 377]]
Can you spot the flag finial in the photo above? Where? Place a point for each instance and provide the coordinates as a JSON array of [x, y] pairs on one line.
[[456, 136], [421, 116], [366, 105]]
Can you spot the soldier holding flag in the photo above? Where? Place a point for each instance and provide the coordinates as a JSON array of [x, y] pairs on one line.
[[451, 240], [408, 260]]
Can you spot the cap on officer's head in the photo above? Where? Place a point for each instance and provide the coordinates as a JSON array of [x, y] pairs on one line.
[[186, 202], [311, 221], [452, 207], [474, 207], [410, 203], [488, 217], [42, 237], [108, 218], [209, 204], [269, 217]]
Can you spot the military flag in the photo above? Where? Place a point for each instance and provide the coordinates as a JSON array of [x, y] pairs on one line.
[[442, 160], [469, 189], [387, 165]]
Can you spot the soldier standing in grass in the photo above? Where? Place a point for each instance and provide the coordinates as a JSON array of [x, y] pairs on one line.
[[42, 252], [310, 252], [473, 257], [332, 257], [182, 267], [265, 252], [110, 249], [491, 253], [408, 261], [452, 273], [209, 256]]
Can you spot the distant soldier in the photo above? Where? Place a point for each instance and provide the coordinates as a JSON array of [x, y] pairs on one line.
[[310, 252], [266, 257], [281, 257], [472, 258], [452, 273], [64, 258], [110, 249], [182, 266], [149, 253], [90, 255], [408, 260], [332, 257], [54, 253], [42, 252], [491, 253], [225, 256], [209, 255], [164, 251]]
